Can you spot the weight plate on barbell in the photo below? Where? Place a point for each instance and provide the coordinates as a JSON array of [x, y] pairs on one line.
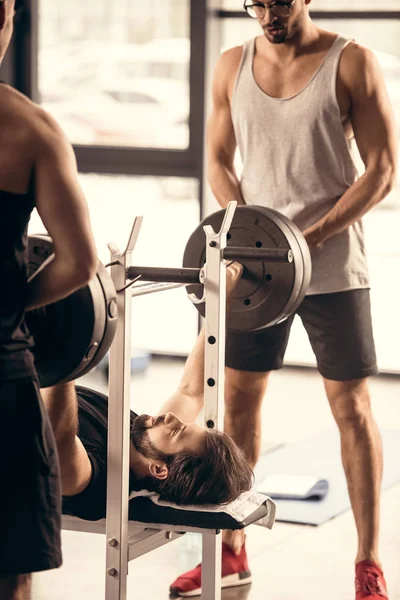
[[269, 292], [71, 336]]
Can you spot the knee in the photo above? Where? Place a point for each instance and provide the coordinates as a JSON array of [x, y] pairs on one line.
[[351, 407], [244, 391]]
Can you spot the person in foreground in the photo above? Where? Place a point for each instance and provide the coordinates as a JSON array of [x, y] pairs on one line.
[[298, 101], [169, 453], [37, 170]]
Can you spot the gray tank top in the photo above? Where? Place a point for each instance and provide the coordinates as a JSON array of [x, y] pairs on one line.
[[297, 160]]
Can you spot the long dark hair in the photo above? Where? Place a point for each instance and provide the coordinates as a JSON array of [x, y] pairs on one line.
[[217, 476]]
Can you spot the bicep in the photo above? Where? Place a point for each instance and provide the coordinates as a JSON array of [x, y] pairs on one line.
[[221, 139], [372, 116], [60, 201]]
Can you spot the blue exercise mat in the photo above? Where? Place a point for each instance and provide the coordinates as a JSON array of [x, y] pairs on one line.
[[319, 455]]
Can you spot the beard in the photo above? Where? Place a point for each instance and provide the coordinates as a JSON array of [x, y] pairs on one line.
[[278, 38], [141, 441], [286, 31]]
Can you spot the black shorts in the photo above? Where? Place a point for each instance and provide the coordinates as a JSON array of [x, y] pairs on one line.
[[30, 499], [339, 328]]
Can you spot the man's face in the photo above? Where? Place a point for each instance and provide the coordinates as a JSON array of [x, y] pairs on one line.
[[279, 29], [167, 435]]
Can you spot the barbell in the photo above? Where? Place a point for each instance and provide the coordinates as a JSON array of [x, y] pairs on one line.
[[73, 335]]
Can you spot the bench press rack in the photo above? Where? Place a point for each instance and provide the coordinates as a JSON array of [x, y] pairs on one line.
[[127, 539]]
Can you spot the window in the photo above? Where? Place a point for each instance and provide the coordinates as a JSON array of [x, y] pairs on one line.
[[96, 59]]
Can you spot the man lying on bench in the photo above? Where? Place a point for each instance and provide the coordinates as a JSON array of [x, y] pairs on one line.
[[169, 453]]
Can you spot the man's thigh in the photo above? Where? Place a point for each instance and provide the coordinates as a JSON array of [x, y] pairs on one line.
[[30, 502], [339, 328]]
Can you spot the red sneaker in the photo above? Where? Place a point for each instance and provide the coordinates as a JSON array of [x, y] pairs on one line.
[[370, 582], [235, 571]]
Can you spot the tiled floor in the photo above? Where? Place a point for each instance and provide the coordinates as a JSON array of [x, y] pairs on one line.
[[291, 562]]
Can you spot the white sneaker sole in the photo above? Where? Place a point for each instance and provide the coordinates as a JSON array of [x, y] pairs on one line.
[[228, 581]]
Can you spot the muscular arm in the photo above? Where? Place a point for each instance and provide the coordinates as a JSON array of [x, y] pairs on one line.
[[376, 136], [221, 141], [187, 402], [62, 407], [63, 210]]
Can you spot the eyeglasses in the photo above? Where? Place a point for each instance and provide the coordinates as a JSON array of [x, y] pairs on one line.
[[257, 10]]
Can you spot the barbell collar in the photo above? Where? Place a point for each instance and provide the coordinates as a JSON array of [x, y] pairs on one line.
[[258, 254]]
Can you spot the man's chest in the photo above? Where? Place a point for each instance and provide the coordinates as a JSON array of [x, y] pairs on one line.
[[289, 82]]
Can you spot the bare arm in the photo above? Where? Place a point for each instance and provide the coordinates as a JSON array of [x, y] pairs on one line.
[[221, 140], [62, 406], [376, 136], [62, 207], [187, 402]]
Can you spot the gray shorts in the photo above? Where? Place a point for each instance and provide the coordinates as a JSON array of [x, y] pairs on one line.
[[339, 328]]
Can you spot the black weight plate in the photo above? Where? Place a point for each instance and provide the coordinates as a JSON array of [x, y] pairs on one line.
[[268, 291], [107, 308], [302, 259], [71, 336]]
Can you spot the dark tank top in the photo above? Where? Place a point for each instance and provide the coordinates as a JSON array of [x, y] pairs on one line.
[[16, 359]]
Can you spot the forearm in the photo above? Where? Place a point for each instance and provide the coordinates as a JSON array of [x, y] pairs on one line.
[[224, 184], [359, 199], [55, 280], [62, 407]]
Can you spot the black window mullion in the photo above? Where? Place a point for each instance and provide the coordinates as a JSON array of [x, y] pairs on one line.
[[198, 16], [135, 161]]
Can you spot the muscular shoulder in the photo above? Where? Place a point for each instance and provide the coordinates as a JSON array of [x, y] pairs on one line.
[[231, 58], [23, 121], [228, 62], [45, 130], [15, 117], [359, 68], [226, 71]]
